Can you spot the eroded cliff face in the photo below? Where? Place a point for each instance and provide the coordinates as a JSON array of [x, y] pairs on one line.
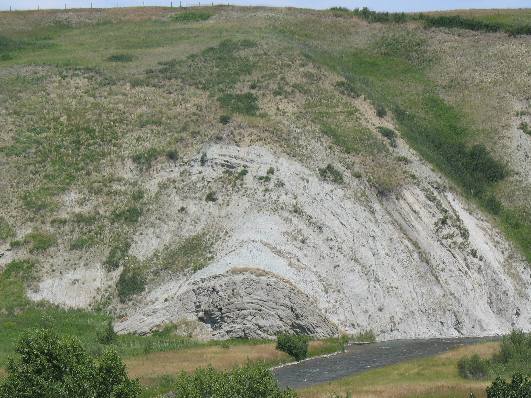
[[293, 251]]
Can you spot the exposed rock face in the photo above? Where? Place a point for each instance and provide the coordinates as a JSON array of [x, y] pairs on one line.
[[304, 254]]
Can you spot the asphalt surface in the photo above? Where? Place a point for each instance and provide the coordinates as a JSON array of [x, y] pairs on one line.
[[359, 358]]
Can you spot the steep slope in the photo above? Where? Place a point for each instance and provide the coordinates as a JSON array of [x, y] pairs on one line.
[[244, 175]]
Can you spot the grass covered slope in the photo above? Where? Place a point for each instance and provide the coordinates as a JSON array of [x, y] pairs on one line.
[[95, 103]]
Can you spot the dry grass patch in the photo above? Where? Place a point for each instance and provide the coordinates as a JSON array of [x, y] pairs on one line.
[[150, 366]]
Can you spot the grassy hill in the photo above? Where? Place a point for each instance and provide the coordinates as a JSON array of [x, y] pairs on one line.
[[94, 103]]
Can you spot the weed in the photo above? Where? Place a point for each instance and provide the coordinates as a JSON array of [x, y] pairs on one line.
[[120, 58], [117, 255], [6, 231], [211, 197], [242, 173], [106, 335], [270, 171], [380, 110], [246, 104], [203, 159], [331, 173], [366, 336], [224, 119], [171, 154], [82, 242], [525, 128], [389, 134], [129, 214], [39, 241], [145, 158], [191, 16]]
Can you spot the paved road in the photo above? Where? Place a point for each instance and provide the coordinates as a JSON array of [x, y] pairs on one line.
[[359, 358]]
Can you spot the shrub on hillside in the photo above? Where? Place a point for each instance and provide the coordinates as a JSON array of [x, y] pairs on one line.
[[519, 387], [473, 367], [330, 173], [130, 283], [250, 381], [48, 366], [515, 349], [294, 345], [191, 16]]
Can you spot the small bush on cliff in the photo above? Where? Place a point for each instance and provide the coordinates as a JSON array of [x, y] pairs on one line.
[[250, 381], [293, 345], [51, 367]]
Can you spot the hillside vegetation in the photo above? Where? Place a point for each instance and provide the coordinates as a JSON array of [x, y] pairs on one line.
[[130, 136]]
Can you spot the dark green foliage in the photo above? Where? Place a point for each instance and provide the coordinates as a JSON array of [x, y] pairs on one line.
[[389, 134], [246, 104], [242, 173], [51, 367], [224, 119], [130, 283], [120, 58], [117, 255], [515, 351], [216, 69], [374, 16], [211, 197], [473, 367], [191, 16], [106, 335], [294, 345], [250, 381], [457, 21], [145, 158], [331, 173], [519, 387]]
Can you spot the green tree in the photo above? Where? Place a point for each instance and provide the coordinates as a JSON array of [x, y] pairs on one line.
[[51, 367], [519, 387], [293, 345]]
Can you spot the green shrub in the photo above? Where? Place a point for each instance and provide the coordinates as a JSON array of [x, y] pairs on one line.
[[389, 134], [246, 104], [130, 283], [492, 204], [120, 58], [39, 240], [48, 366], [117, 255], [250, 381], [519, 387], [515, 349], [473, 367], [191, 16], [331, 173], [294, 345]]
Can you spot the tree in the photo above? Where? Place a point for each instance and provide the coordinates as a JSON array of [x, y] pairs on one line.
[[51, 367], [519, 387], [293, 345]]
